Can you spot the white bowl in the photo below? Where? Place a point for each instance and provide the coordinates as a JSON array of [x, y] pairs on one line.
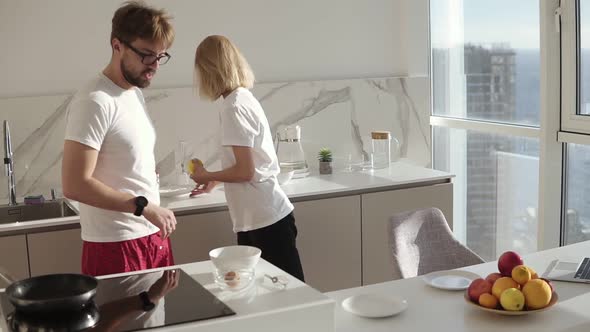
[[285, 176], [234, 266]]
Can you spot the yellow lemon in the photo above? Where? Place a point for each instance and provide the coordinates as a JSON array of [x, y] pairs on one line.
[[521, 274], [537, 294], [503, 284], [512, 299], [191, 165]]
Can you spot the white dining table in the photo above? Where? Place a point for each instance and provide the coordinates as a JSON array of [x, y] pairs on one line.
[[431, 309]]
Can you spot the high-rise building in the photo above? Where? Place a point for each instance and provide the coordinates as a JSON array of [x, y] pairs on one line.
[[490, 78]]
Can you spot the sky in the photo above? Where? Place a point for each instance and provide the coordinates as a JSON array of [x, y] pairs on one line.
[[514, 22]]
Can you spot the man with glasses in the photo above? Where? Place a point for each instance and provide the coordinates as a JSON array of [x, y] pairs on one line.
[[108, 162]]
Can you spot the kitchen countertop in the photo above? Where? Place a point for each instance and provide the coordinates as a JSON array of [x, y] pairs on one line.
[[260, 307], [401, 174]]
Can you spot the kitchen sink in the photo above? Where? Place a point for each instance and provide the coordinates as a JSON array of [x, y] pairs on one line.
[[50, 209]]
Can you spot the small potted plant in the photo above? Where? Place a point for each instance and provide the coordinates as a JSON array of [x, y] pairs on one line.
[[325, 158]]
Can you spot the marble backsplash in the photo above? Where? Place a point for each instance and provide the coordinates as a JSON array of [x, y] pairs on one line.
[[338, 114]]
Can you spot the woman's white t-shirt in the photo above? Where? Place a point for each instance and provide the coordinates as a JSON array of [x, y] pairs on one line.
[[261, 201], [114, 121]]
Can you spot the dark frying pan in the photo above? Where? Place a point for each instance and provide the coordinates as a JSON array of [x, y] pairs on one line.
[[52, 292], [55, 322]]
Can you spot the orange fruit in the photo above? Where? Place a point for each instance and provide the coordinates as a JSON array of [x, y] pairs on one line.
[[503, 284], [521, 274], [534, 274], [488, 300], [512, 299], [537, 294]]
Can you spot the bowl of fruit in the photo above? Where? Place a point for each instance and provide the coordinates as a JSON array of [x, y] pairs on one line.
[[515, 289]]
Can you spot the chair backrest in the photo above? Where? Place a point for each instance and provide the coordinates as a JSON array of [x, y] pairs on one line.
[[422, 242]]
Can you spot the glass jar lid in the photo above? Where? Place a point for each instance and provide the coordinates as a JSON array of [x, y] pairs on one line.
[[380, 135]]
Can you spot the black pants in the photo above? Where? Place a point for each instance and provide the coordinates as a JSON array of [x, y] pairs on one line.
[[277, 243]]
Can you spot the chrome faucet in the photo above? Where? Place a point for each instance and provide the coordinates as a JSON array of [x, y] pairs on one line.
[[9, 165]]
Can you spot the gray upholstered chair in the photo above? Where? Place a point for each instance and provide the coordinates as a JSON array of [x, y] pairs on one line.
[[422, 242]]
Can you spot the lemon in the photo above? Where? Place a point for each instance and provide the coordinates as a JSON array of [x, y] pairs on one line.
[[512, 299], [191, 165]]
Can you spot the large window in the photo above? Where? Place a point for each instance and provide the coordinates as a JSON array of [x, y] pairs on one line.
[[485, 66], [576, 119], [577, 211], [498, 188], [511, 118], [575, 66]]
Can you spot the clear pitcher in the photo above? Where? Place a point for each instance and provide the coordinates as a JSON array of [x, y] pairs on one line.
[[289, 150]]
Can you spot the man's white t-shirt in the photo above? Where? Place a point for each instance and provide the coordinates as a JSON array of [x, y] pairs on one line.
[[261, 201], [114, 121]]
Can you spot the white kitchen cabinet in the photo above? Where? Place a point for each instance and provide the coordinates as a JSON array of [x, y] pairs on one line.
[[329, 242], [378, 207], [197, 234], [55, 252], [13, 257]]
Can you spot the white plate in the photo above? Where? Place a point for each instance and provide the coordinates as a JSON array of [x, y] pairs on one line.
[[450, 280], [373, 305], [174, 191]]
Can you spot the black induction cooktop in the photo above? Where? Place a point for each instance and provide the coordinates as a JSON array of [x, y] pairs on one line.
[[115, 306]]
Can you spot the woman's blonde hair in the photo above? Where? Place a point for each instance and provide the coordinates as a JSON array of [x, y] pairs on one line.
[[220, 67]]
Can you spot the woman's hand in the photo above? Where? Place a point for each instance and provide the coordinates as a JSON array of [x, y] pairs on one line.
[[199, 174], [203, 189]]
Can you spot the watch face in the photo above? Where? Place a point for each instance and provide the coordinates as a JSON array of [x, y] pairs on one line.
[[141, 201]]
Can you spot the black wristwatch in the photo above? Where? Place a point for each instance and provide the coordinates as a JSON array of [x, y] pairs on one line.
[[146, 304], [140, 202]]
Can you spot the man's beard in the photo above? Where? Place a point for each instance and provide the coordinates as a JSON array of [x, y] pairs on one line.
[[136, 80]]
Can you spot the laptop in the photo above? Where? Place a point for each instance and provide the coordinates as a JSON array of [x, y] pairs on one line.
[[569, 271]]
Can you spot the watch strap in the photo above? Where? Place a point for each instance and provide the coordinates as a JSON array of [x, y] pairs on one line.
[[147, 304], [140, 203]]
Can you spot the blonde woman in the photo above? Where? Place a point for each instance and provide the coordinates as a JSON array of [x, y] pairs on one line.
[[261, 213]]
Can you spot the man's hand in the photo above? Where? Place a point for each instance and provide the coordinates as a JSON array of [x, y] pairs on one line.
[[164, 285], [162, 218]]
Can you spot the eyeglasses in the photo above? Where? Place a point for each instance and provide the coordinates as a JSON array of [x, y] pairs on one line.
[[149, 59]]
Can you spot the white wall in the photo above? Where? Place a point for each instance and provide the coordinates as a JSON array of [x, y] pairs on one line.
[[414, 35], [51, 47]]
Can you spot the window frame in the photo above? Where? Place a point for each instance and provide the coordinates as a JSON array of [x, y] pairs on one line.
[[571, 121]]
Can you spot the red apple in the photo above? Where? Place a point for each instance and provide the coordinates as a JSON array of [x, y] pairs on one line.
[[508, 261], [549, 283], [492, 277], [477, 287]]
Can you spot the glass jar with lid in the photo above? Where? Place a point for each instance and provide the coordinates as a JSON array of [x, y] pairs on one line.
[[381, 146]]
